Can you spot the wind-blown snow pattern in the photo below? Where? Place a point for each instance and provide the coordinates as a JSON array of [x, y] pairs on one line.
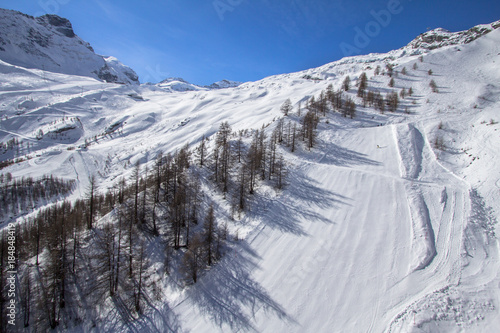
[[389, 224]]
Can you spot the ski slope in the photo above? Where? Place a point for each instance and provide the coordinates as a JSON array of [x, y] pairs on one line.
[[362, 248], [377, 229], [368, 239]]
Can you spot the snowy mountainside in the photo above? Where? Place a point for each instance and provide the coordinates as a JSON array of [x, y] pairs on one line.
[[48, 42], [389, 224]]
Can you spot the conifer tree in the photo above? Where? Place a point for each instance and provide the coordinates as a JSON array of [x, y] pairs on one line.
[[209, 234], [433, 86], [362, 84], [136, 180], [294, 131], [222, 153], [392, 101], [192, 261], [139, 283], [402, 93], [286, 107], [390, 69], [380, 102], [330, 94], [202, 150], [91, 193], [239, 146], [347, 83], [309, 124]]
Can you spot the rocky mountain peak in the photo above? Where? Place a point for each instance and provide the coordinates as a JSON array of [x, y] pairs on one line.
[[440, 37], [61, 25]]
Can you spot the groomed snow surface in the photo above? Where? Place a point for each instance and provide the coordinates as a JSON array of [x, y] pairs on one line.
[[377, 230]]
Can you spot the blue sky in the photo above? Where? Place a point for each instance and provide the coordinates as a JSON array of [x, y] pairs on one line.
[[205, 41]]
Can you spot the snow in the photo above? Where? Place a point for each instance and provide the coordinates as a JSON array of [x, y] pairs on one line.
[[377, 230]]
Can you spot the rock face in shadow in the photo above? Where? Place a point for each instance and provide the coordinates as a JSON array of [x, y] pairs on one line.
[[60, 24]]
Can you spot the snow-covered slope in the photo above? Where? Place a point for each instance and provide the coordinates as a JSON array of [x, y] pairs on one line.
[[388, 225], [400, 238], [48, 42]]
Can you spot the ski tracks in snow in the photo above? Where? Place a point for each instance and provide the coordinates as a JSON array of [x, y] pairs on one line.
[[410, 145], [441, 257]]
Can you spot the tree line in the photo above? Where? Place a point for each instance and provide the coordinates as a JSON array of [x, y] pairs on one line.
[[24, 194]]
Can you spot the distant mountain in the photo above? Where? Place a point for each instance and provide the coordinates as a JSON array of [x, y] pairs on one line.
[[48, 42], [224, 84], [179, 84]]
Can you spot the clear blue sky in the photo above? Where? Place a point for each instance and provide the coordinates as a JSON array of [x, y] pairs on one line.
[[245, 40]]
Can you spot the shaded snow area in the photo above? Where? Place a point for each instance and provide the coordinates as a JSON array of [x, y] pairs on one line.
[[388, 224]]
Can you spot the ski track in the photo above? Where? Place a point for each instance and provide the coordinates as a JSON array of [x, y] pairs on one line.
[[409, 144], [440, 264]]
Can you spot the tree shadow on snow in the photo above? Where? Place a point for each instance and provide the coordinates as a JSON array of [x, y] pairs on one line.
[[301, 200], [161, 319], [230, 297], [156, 319], [340, 156]]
